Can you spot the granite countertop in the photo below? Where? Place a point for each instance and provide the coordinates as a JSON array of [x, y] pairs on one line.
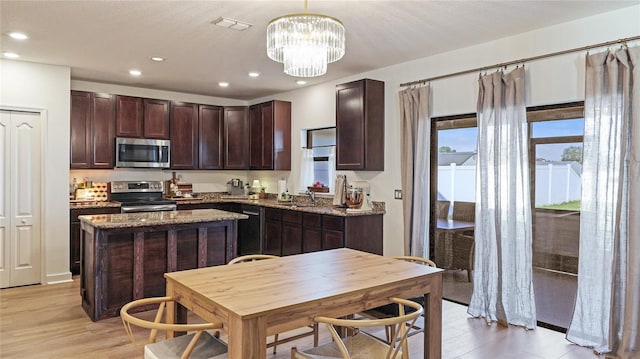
[[92, 204], [300, 203], [144, 219]]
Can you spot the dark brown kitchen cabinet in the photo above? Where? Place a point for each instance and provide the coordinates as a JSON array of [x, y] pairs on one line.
[[332, 232], [236, 131], [311, 232], [129, 116], [291, 232], [210, 135], [364, 233], [270, 136], [360, 125], [156, 119], [92, 130], [74, 233], [184, 135], [272, 232]]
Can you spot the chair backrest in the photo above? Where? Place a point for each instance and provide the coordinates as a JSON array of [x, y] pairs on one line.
[[464, 211], [419, 260], [251, 258], [399, 323], [157, 324], [442, 209]]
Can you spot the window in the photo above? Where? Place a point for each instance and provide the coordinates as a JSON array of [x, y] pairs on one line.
[[319, 164]]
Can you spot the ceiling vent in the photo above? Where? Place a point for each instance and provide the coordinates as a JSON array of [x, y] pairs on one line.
[[231, 24]]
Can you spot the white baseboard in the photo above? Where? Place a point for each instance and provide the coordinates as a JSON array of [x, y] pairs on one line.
[[58, 278]]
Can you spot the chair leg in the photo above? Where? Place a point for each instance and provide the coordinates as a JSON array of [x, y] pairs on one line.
[[315, 334], [275, 343]]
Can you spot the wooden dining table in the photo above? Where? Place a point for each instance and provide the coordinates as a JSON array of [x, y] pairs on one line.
[[261, 298]]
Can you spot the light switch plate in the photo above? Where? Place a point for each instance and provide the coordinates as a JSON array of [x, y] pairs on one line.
[[397, 194]]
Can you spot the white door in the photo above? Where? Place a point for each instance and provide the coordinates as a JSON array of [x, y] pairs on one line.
[[20, 261]]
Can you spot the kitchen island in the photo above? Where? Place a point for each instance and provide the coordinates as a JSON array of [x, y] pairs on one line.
[[123, 257]]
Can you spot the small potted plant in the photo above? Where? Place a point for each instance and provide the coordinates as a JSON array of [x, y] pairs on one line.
[[263, 193]]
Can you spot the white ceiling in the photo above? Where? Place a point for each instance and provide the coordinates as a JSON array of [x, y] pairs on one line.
[[102, 40]]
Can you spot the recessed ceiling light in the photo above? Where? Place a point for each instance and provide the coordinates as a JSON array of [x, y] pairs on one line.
[[18, 36], [135, 72], [223, 84], [157, 58], [10, 55], [254, 74], [301, 82]]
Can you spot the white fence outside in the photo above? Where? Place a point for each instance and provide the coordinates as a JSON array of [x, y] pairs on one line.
[[555, 183]]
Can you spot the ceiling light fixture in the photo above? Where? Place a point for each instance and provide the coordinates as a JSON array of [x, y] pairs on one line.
[[156, 58], [223, 84], [10, 55], [231, 24], [305, 43], [18, 36], [135, 72], [254, 74], [301, 82]]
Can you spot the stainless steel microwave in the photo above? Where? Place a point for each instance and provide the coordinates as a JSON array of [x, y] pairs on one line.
[[142, 153]]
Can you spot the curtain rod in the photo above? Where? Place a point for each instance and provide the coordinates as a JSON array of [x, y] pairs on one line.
[[527, 59]]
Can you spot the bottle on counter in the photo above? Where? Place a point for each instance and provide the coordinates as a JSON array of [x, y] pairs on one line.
[[72, 187]]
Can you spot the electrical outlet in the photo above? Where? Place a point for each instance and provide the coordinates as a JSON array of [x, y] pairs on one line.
[[397, 194]]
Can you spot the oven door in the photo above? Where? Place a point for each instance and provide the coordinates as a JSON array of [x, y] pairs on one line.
[[148, 208], [142, 153]]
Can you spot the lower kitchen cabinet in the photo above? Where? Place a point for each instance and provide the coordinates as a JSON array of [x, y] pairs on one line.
[[74, 233], [311, 232], [272, 232], [291, 232]]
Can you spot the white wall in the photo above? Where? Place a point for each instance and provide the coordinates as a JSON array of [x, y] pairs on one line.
[[46, 88], [554, 80]]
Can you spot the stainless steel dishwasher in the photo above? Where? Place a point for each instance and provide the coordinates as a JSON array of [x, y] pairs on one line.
[[250, 230]]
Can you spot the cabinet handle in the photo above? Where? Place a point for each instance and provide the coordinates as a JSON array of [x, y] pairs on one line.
[[251, 213]]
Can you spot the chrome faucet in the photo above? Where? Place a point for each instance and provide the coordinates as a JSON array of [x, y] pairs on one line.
[[312, 195]]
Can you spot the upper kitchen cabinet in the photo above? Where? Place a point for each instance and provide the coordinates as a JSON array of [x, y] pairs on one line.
[[184, 135], [92, 130], [129, 116], [138, 117], [156, 119], [360, 125], [210, 133], [236, 131], [270, 136]]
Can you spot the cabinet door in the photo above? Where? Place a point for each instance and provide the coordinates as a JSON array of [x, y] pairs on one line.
[[103, 131], [236, 127], [184, 135], [74, 248], [291, 232], [156, 119], [364, 233], [255, 138], [281, 136], [266, 160], [332, 232], [350, 126], [80, 123], [210, 129], [129, 116], [311, 232], [272, 237]]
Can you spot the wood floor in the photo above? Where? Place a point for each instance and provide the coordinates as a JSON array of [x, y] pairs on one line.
[[48, 322]]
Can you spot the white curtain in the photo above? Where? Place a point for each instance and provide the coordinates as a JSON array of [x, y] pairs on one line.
[[416, 124], [502, 276], [332, 168], [306, 168], [607, 311]]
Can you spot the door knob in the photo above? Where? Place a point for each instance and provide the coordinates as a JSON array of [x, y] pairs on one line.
[[24, 221]]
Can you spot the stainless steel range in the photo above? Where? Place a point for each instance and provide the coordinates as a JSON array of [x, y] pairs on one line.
[[141, 196]]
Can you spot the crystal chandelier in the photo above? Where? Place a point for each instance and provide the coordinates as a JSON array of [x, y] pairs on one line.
[[305, 43]]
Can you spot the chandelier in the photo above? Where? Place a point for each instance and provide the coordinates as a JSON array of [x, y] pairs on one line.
[[305, 43]]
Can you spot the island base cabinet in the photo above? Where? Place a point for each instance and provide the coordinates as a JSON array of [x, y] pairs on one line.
[[121, 265]]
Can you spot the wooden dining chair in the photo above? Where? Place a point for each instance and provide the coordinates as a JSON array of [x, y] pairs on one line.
[[195, 345], [276, 339], [390, 310], [362, 345]]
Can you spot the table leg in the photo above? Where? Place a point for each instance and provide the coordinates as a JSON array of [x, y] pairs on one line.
[[174, 313], [433, 319], [247, 338]]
